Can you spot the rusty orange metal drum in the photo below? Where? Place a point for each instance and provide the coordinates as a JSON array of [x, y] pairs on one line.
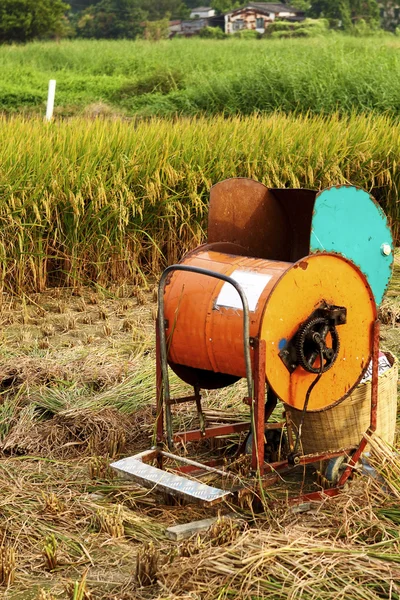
[[204, 319]]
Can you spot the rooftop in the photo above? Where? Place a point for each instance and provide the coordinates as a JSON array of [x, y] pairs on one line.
[[269, 6]]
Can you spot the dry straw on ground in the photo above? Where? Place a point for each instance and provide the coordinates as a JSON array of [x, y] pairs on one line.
[[71, 529]]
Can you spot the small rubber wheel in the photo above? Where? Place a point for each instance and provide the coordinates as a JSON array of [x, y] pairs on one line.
[[335, 468]]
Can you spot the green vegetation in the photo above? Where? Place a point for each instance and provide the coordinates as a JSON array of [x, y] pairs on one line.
[[111, 19], [109, 200], [26, 20], [216, 33], [230, 76], [306, 28], [346, 13]]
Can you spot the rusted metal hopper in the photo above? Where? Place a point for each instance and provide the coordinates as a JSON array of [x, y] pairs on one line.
[[288, 224]]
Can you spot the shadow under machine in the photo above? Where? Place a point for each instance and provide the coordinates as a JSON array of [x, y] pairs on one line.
[[284, 294]]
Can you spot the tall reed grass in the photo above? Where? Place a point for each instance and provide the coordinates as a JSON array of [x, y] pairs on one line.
[[95, 200], [233, 76]]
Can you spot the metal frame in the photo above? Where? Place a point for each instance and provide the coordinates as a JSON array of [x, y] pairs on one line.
[[260, 412], [355, 455], [163, 390]]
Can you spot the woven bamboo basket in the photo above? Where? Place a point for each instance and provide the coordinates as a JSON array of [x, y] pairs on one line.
[[344, 425]]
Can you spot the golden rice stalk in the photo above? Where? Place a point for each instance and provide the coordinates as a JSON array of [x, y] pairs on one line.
[[385, 460], [99, 468], [147, 560], [44, 595], [223, 531], [69, 220], [52, 504], [111, 521], [8, 565]]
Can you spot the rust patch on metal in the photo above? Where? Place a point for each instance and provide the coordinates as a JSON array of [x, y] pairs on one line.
[[303, 265], [245, 212]]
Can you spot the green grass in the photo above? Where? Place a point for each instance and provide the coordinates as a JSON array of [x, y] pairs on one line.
[[192, 76], [110, 201]]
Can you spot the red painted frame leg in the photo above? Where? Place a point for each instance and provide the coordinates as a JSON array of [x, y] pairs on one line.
[[257, 459], [159, 392]]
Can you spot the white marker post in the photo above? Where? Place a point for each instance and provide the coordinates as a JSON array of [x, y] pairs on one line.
[[50, 99]]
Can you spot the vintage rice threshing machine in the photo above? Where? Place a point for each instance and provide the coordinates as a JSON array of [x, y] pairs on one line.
[[285, 294]]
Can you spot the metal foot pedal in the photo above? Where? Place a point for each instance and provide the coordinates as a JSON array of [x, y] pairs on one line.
[[176, 485]]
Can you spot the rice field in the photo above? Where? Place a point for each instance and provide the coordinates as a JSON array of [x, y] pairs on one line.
[[326, 74], [113, 201], [91, 211]]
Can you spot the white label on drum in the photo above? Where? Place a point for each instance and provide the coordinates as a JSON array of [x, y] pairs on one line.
[[253, 285]]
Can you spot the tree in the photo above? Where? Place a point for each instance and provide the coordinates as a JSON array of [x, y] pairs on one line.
[[25, 20], [112, 19], [224, 6], [347, 12], [368, 10], [191, 3], [80, 5], [156, 30], [301, 4], [159, 9], [334, 10]]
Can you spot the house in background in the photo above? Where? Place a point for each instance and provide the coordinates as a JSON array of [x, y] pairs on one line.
[[200, 17], [390, 14], [194, 26], [254, 16], [202, 12], [258, 15], [175, 28]]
